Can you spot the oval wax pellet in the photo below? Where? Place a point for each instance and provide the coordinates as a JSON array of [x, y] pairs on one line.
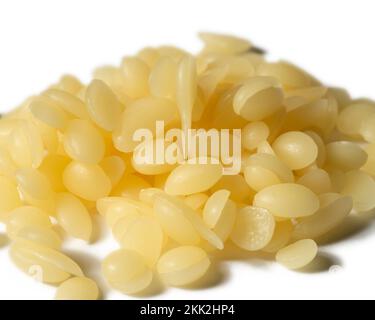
[[144, 236], [258, 98], [296, 149], [236, 184], [183, 265], [253, 229], [26, 216], [345, 155], [136, 74], [196, 201], [52, 167], [298, 254], [224, 43], [70, 84], [317, 180], [367, 129], [329, 216], [114, 167], [87, 181], [77, 288], [126, 271], [83, 142], [259, 178], [73, 216], [42, 235], [34, 183], [288, 200], [361, 187], [163, 78], [253, 134], [103, 106], [281, 237], [193, 178]]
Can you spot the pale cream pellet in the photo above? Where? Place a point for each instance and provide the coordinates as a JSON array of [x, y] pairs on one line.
[[281, 236], [163, 78], [136, 74], [196, 201], [298, 254], [10, 198], [52, 167], [345, 155], [317, 180], [33, 183], [222, 43], [236, 184], [333, 210], [253, 134], [42, 235], [296, 149], [130, 185], [70, 84], [253, 229], [83, 142], [126, 271], [103, 106], [47, 264], [287, 200], [192, 178], [78, 288], [73, 216], [183, 265], [87, 181], [114, 167], [367, 129]]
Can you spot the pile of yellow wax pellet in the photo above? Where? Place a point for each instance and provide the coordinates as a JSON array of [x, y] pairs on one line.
[[307, 162]]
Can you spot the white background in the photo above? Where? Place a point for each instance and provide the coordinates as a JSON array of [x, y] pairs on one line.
[[41, 40]]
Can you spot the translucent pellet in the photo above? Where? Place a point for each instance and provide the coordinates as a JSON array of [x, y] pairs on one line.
[[288, 200], [77, 288], [361, 187], [87, 181], [130, 185], [224, 43], [163, 78], [281, 236], [42, 235], [103, 106], [26, 216], [259, 178], [253, 229], [10, 198], [236, 184], [253, 134], [83, 142], [126, 271], [298, 254], [68, 102], [136, 74], [46, 264], [345, 155], [48, 112], [258, 98], [299, 97], [183, 265], [317, 180], [33, 183], [196, 201], [192, 178], [52, 167], [369, 166], [69, 83], [142, 114], [150, 246], [367, 129], [322, 153], [7, 165], [333, 210], [73, 216]]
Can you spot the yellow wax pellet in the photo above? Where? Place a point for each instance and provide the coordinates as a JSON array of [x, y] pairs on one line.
[[46, 264], [70, 84], [345, 155], [360, 187], [333, 210], [48, 112], [236, 184], [34, 183], [192, 178], [52, 167], [253, 229], [103, 106], [287, 200], [322, 153], [73, 216], [163, 78], [144, 236], [259, 178], [253, 134], [296, 149], [42, 235], [186, 90], [7, 165], [114, 167], [87, 181], [367, 129], [10, 198], [299, 97], [83, 142], [130, 185], [298, 254], [142, 114], [26, 145], [258, 98], [126, 271], [183, 265], [26, 216], [77, 288], [149, 56], [68, 102], [136, 74], [222, 43], [317, 180]]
